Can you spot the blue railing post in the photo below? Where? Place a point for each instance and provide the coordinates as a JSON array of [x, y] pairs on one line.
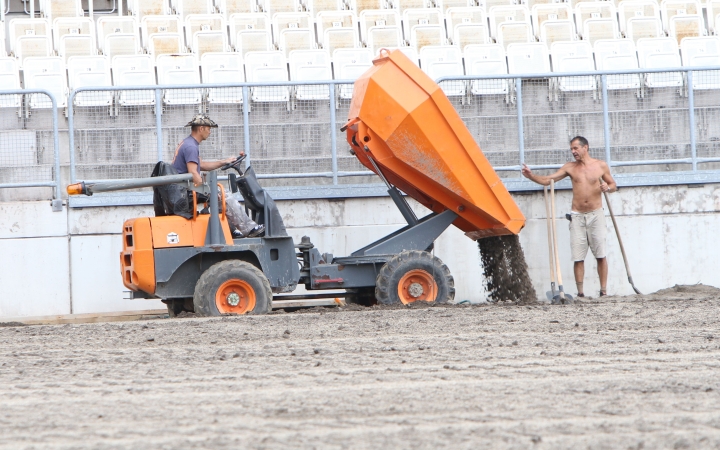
[[333, 135], [521, 129], [71, 135], [246, 123], [691, 112], [606, 119], [158, 123]]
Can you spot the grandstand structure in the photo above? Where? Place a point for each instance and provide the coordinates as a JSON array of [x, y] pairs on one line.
[[276, 75]]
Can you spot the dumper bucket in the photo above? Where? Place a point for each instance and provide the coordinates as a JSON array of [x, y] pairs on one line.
[[403, 121]]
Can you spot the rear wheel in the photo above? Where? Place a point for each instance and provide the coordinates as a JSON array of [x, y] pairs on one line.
[[232, 287], [176, 306], [412, 277]]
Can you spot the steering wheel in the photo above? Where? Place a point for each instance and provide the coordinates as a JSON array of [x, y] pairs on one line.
[[234, 164]]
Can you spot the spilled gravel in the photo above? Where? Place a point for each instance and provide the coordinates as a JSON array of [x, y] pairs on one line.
[[618, 372]]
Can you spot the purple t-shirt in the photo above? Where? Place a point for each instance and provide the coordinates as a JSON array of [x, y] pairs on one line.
[[187, 151]]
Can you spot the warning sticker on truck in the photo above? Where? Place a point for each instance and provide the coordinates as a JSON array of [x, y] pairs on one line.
[[173, 238]]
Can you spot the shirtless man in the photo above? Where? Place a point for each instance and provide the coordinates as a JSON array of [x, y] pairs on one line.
[[587, 227]]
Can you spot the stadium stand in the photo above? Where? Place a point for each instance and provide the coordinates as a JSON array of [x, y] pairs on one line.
[[702, 51], [712, 8], [379, 37], [326, 20], [672, 8], [358, 6], [317, 6], [150, 25], [195, 23], [253, 41], [421, 17], [403, 5], [378, 19], [643, 28], [593, 10], [273, 7], [349, 64], [507, 14], [142, 8], [74, 26], [336, 38], [514, 33], [423, 35], [166, 44], [53, 9], [597, 29], [296, 39], [550, 12], [27, 28], [444, 5], [76, 45], [229, 7], [629, 9], [557, 31], [183, 8], [464, 16], [291, 21], [242, 22], [686, 26], [470, 34]]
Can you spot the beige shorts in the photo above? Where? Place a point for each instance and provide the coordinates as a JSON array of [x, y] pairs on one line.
[[588, 230]]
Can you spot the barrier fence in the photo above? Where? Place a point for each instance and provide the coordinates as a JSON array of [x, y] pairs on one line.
[[659, 126]]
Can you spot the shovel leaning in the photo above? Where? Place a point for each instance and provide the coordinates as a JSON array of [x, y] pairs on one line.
[[560, 297], [622, 248]]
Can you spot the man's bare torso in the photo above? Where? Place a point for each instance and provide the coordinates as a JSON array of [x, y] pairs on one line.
[[587, 195]]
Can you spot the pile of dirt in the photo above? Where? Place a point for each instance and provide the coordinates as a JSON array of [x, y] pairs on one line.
[[688, 291], [505, 269]]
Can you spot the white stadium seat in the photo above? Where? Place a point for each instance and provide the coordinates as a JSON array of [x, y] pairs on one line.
[[629, 9], [121, 44], [166, 44], [486, 60], [267, 66], [597, 29], [421, 17], [229, 7], [471, 34], [111, 25], [358, 6], [528, 58], [315, 7], [617, 54], [702, 51], [184, 8], [248, 22], [444, 61], [150, 25], [88, 71], [643, 27], [514, 33], [349, 64], [179, 69], [686, 26], [656, 54], [253, 41], [134, 70], [209, 42], [403, 5], [464, 16], [336, 38], [296, 39], [593, 10], [557, 31], [713, 11], [273, 7], [203, 22], [326, 20], [10, 79], [73, 26], [52, 9], [219, 68], [378, 19], [46, 73], [573, 57], [76, 45], [423, 35], [444, 5], [505, 14], [550, 12], [291, 21], [379, 37], [310, 65], [27, 27], [673, 8], [32, 47], [142, 8]]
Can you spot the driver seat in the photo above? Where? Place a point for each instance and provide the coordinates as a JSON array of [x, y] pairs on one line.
[[263, 207]]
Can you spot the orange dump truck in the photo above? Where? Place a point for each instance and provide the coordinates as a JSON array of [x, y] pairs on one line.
[[402, 127]]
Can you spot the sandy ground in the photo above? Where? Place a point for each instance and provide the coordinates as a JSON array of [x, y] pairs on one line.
[[613, 373]]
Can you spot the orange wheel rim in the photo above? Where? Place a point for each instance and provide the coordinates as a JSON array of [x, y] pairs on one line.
[[235, 297], [417, 286]]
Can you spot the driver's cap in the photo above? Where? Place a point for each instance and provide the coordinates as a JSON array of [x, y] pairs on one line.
[[202, 120]]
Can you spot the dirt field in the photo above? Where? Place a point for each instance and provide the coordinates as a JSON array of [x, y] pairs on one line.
[[617, 373]]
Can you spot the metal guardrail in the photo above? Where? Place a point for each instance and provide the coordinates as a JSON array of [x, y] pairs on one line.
[[20, 150]]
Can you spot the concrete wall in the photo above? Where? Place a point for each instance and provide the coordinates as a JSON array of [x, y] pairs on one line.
[[67, 262]]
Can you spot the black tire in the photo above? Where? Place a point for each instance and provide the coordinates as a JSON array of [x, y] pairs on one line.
[[386, 285], [212, 279]]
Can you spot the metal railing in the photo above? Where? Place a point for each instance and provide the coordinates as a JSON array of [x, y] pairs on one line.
[[24, 138]]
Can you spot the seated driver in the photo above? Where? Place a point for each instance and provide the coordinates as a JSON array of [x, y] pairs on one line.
[[187, 160]]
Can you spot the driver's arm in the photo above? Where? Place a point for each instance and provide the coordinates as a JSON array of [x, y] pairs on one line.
[[193, 169], [212, 165]]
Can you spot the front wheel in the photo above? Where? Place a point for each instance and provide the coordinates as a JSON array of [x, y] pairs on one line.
[[232, 287], [414, 276]]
